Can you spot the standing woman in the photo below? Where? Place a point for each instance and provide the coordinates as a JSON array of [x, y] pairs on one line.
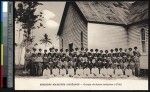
[[137, 56], [74, 62], [66, 64], [99, 64], [33, 65], [39, 61], [50, 64], [59, 65], [27, 59], [132, 66], [45, 59], [36, 65]]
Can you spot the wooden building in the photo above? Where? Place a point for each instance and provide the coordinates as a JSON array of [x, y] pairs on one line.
[[105, 25]]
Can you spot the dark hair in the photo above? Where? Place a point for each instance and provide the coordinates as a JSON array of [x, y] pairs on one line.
[[66, 49], [101, 50], [50, 49], [106, 51], [91, 49], [27, 49], [111, 50], [135, 47], [120, 48], [76, 48], [96, 49], [130, 49], [82, 48], [86, 49], [56, 49], [61, 50], [116, 49], [39, 53], [72, 49]]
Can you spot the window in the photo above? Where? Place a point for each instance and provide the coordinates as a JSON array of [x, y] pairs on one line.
[[143, 40], [81, 39]]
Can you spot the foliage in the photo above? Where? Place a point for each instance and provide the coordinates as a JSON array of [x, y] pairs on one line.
[[46, 40], [25, 14]]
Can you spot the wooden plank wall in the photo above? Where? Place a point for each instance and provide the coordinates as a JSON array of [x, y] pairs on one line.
[[73, 26], [134, 39], [106, 37]]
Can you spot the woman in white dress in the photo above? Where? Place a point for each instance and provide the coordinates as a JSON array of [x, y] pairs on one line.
[[46, 72], [55, 71], [95, 72], [86, 72], [103, 72], [110, 72], [71, 71], [63, 71], [118, 72], [128, 71], [79, 72]]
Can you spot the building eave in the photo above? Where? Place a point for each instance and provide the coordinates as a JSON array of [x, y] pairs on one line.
[[63, 18]]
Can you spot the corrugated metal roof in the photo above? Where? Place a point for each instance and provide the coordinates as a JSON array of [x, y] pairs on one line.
[[138, 11], [119, 12], [109, 12]]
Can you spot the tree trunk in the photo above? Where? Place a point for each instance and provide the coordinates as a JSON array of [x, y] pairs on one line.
[[19, 50]]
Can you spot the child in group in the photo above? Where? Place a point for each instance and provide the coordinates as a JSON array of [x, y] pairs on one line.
[[95, 71], [46, 72], [62, 71], [118, 72], [55, 71], [70, 71], [128, 71], [86, 72], [79, 72]]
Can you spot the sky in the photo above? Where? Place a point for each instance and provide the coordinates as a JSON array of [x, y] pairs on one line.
[[52, 13]]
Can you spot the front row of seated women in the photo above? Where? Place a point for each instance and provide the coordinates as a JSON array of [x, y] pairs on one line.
[[104, 72]]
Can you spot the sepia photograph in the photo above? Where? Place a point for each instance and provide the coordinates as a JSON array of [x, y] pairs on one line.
[[81, 45]]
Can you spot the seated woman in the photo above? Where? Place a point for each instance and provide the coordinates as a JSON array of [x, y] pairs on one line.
[[62, 71], [71, 71], [86, 72], [103, 72], [110, 72], [128, 71], [95, 71], [118, 71], [55, 71], [79, 72], [46, 72]]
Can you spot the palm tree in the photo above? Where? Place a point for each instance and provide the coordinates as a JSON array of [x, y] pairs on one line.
[[28, 40], [45, 40]]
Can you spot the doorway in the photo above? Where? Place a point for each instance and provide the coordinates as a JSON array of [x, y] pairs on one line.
[[70, 47]]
